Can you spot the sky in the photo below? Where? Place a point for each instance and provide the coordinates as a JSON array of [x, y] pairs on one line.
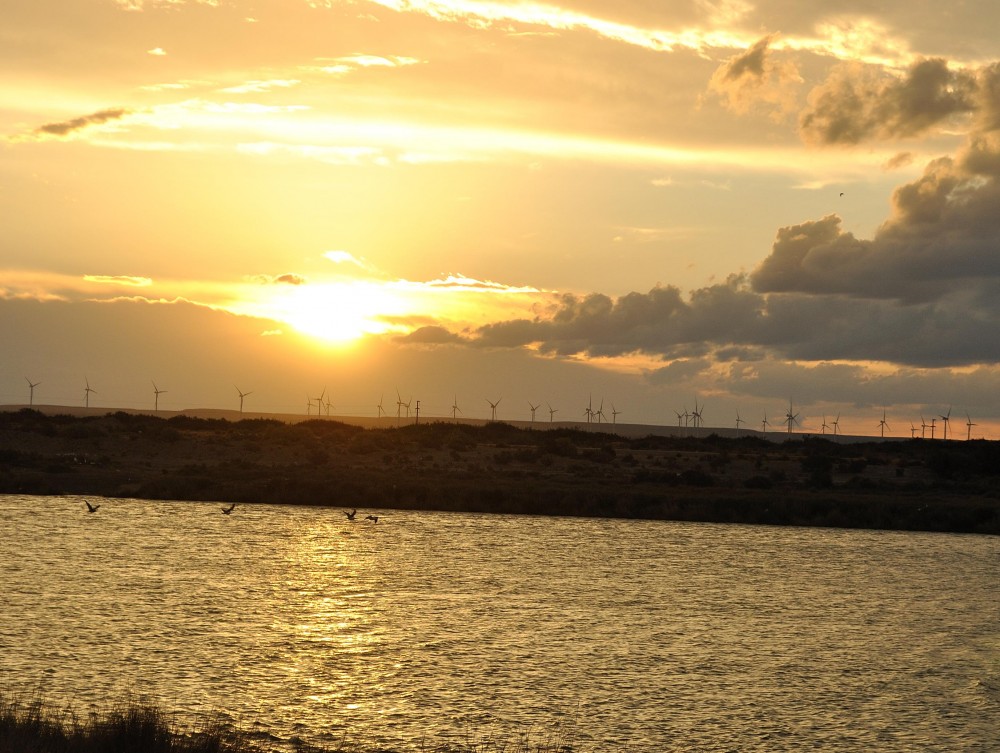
[[752, 207]]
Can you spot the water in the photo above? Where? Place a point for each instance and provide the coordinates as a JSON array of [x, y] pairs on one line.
[[426, 627]]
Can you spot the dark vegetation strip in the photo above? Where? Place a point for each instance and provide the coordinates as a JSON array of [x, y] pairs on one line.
[[930, 485], [137, 725]]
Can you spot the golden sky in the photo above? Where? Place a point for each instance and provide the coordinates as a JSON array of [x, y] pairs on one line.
[[743, 203]]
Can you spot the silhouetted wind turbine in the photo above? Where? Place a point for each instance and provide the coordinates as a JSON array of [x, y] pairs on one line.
[[156, 396], [455, 410], [836, 425], [600, 412], [739, 422], [86, 392], [399, 406], [242, 395], [764, 424], [923, 428], [913, 431], [681, 417], [614, 415], [883, 426], [552, 412], [328, 405], [933, 421], [319, 402], [31, 391], [946, 419], [824, 427], [589, 410], [790, 417], [533, 409], [696, 414], [493, 407], [380, 410], [969, 425]]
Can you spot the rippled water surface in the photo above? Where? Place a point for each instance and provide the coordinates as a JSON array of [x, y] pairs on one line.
[[298, 623]]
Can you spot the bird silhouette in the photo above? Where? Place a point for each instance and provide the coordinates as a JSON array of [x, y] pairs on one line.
[[92, 508], [350, 515], [372, 518], [227, 510]]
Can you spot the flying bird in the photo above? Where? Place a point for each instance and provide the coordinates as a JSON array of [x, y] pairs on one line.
[[350, 515], [227, 510], [372, 518], [91, 508]]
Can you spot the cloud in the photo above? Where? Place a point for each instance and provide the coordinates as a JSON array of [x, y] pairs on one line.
[[257, 87], [856, 103], [157, 52], [429, 335], [753, 79], [942, 236], [68, 127], [289, 278], [126, 280]]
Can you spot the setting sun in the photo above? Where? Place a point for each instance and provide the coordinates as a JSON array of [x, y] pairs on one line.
[[335, 312]]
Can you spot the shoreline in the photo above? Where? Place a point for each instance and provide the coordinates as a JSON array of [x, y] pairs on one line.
[[500, 468]]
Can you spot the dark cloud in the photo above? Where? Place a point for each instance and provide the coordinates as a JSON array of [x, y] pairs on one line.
[[70, 126], [856, 104], [755, 79], [943, 235], [429, 335]]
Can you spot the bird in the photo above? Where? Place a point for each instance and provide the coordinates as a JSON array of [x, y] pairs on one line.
[[372, 518], [91, 508], [350, 515], [227, 510]]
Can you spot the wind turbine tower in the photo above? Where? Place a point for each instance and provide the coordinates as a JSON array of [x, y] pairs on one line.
[[552, 412], [614, 415], [946, 419], [31, 391], [86, 393], [882, 425], [455, 410], [379, 410], [493, 407], [969, 424], [791, 417], [156, 396], [242, 395], [533, 409]]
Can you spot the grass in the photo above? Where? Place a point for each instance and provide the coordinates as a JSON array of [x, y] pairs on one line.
[[137, 725]]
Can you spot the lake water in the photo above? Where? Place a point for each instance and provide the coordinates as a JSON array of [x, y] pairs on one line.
[[295, 622]]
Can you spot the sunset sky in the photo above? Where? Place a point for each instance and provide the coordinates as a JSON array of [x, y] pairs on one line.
[[643, 203]]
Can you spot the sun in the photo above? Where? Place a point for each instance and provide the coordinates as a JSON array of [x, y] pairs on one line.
[[337, 312]]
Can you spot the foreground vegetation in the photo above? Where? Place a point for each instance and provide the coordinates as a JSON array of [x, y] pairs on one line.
[[137, 725], [908, 485]]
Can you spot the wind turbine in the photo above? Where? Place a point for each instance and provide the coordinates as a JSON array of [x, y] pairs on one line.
[[680, 417], [328, 404], [86, 392], [923, 428], [739, 422], [933, 421], [969, 425], [600, 412], [242, 395], [31, 391], [455, 410], [552, 412], [380, 411], [790, 417], [319, 402], [493, 407], [156, 396], [946, 419], [883, 426], [533, 409], [764, 423], [696, 414], [399, 406], [589, 410], [836, 425], [614, 415], [913, 431], [824, 427]]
